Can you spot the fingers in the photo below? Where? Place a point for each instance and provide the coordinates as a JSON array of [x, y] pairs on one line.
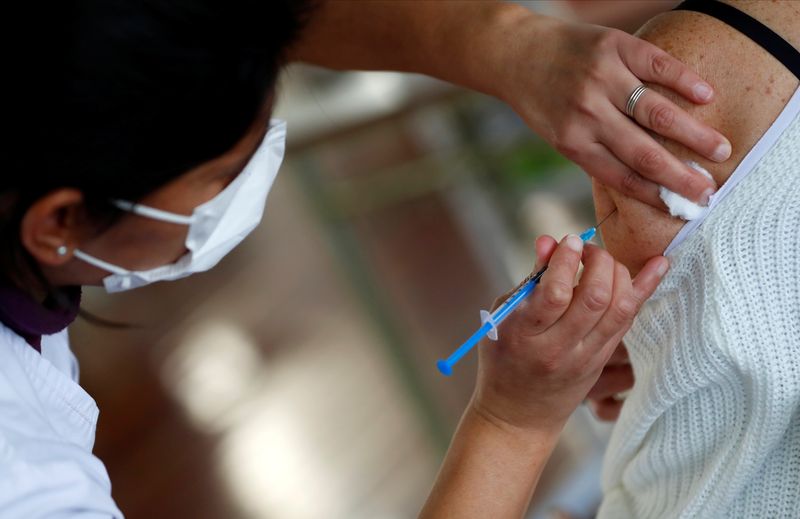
[[620, 313], [617, 377], [545, 246], [628, 297], [651, 64], [647, 280], [600, 163], [552, 296], [591, 297], [613, 380], [619, 357], [664, 117], [607, 409], [644, 155]]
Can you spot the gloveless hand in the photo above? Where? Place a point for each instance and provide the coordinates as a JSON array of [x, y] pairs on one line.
[[571, 82], [617, 377], [552, 349]]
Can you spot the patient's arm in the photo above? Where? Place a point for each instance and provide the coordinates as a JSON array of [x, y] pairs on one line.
[[752, 88]]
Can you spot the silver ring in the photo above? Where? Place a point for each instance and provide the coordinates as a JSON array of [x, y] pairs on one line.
[[633, 99]]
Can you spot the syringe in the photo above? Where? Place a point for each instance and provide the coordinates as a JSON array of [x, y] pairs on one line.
[[490, 321]]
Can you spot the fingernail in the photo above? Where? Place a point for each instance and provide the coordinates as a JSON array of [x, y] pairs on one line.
[[662, 268], [573, 242], [723, 152], [703, 91], [706, 196]]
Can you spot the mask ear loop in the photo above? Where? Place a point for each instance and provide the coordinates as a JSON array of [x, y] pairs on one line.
[[141, 210], [153, 213], [96, 262]]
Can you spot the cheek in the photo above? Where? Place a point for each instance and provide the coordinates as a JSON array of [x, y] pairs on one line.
[[160, 239], [137, 243], [144, 243]]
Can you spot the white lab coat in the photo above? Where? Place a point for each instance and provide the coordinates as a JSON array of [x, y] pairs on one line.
[[47, 429]]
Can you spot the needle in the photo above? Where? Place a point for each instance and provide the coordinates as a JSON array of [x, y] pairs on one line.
[[606, 218]]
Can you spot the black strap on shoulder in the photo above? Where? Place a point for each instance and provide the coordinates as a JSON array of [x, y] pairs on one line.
[[750, 27]]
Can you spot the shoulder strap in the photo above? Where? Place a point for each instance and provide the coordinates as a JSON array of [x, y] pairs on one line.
[[781, 49]]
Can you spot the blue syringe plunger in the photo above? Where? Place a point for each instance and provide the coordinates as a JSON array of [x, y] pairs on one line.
[[444, 368]]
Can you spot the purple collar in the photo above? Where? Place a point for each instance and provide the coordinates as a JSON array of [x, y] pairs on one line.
[[30, 319]]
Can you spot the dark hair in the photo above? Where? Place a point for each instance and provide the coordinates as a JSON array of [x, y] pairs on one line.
[[118, 97]]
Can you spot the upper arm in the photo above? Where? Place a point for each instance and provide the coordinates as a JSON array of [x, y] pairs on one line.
[[751, 88]]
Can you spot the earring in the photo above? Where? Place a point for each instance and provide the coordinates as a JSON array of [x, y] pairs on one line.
[[62, 250]]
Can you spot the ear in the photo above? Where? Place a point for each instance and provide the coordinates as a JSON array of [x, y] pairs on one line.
[[50, 228]]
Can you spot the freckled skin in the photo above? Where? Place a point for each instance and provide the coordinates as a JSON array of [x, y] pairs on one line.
[[751, 88]]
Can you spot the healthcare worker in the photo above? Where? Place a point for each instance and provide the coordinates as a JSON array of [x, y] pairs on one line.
[[141, 148]]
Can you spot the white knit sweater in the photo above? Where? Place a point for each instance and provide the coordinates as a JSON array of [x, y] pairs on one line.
[[712, 425]]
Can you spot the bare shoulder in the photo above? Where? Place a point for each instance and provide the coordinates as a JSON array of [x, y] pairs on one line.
[[782, 16], [751, 89], [751, 86]]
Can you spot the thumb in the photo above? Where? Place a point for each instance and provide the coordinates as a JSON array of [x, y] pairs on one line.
[[545, 245]]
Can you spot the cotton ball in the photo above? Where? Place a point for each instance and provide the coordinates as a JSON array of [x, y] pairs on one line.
[[680, 206]]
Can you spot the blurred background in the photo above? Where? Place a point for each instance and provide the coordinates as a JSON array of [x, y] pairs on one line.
[[297, 379]]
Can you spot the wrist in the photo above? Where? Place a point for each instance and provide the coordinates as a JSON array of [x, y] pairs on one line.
[[539, 410], [474, 41], [532, 432], [508, 50], [490, 469]]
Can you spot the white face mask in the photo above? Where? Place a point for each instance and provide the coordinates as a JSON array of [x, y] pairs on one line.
[[215, 227]]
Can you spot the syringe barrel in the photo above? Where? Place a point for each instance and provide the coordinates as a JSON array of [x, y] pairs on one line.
[[512, 302]]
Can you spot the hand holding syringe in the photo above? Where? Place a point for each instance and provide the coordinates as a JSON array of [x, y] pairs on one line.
[[550, 353], [491, 321]]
